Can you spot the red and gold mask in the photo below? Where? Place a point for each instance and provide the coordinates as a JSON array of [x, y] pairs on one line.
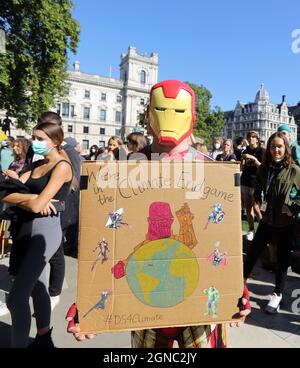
[[171, 114]]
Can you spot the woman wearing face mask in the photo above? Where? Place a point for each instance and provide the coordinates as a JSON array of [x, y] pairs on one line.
[[93, 153], [277, 193], [216, 147], [38, 234]]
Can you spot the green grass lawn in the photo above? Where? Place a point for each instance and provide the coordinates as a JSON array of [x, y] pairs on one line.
[[245, 226]]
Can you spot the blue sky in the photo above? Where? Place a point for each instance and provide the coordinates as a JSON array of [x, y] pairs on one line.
[[229, 46]]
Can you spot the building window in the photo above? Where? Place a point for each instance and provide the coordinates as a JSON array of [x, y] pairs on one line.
[[118, 132], [141, 119], [73, 111], [143, 77], [85, 144], [101, 144], [58, 109], [86, 113], [118, 116], [70, 128], [142, 101], [65, 109], [102, 115], [87, 93], [119, 98], [102, 131], [103, 96], [86, 130]]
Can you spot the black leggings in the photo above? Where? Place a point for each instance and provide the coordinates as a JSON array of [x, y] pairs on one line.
[[36, 242], [263, 236], [57, 271]]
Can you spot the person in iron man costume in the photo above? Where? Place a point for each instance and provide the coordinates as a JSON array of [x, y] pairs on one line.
[[171, 113], [171, 116], [170, 119]]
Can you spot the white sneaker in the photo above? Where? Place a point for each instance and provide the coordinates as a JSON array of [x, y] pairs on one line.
[[250, 235], [54, 301], [3, 309], [274, 303]]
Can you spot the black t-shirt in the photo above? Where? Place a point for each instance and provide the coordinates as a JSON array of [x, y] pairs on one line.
[[250, 170], [37, 185], [229, 157]]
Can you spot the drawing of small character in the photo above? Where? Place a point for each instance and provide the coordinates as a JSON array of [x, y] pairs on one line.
[[100, 304], [115, 219], [212, 303], [216, 216], [216, 257], [103, 250], [160, 221]]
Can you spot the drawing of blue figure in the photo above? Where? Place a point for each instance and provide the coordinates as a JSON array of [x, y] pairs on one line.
[[212, 303], [115, 219], [100, 304], [216, 216]]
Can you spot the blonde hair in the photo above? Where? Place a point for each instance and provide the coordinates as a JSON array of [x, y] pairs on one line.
[[137, 141], [24, 144], [201, 147], [231, 144], [115, 138]]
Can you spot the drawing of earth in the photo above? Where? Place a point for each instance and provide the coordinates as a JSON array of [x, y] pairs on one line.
[[162, 273]]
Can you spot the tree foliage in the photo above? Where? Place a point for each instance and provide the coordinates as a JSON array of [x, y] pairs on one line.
[[209, 122], [33, 71], [142, 119]]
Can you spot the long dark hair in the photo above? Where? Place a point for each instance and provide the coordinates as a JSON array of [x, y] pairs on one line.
[[287, 160]]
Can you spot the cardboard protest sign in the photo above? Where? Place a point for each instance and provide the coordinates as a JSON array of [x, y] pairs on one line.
[[160, 245]]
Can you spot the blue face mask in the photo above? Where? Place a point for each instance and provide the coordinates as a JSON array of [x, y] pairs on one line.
[[40, 148]]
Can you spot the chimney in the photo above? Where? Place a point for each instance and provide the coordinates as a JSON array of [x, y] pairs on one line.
[[76, 66], [283, 98]]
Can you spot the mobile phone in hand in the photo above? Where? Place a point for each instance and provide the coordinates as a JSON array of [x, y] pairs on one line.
[[59, 206]]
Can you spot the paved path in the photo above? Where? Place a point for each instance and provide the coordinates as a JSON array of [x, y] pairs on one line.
[[260, 330]]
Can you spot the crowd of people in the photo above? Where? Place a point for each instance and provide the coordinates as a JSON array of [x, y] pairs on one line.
[[42, 205]]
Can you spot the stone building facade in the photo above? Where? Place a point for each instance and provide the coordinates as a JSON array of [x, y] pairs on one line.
[[260, 115]]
